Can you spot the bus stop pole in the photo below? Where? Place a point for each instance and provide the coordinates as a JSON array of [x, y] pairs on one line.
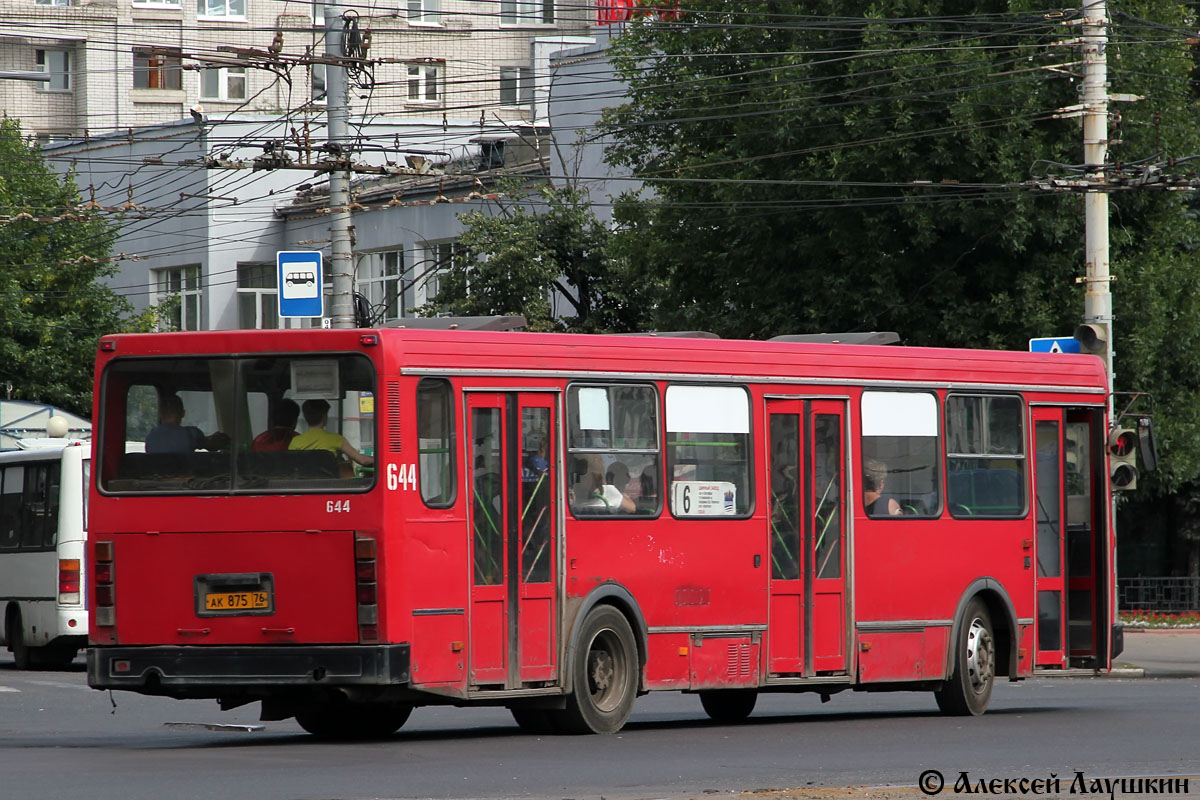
[[341, 260]]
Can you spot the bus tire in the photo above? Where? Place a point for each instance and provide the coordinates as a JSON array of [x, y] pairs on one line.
[[969, 688], [533, 720], [346, 721], [604, 673], [728, 705], [14, 633]]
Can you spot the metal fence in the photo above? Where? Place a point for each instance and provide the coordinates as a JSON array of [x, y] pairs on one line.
[[1158, 594]]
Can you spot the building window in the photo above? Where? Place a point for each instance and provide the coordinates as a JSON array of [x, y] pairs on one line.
[[900, 454], [318, 13], [436, 259], [423, 12], [180, 288], [378, 280], [257, 296], [708, 451], [158, 3], [516, 86], [157, 68], [985, 456], [318, 83], [60, 3], [526, 12], [227, 9], [424, 83], [58, 64], [223, 83], [612, 450]]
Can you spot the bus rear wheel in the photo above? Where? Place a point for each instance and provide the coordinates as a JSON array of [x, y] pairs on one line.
[[14, 634], [969, 688], [604, 675], [346, 721], [728, 705]]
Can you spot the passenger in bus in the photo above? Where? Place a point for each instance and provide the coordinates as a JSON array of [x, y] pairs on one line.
[[283, 428], [592, 493], [316, 414], [170, 435], [874, 477]]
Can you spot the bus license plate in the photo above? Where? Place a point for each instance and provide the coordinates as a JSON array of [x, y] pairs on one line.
[[236, 601]]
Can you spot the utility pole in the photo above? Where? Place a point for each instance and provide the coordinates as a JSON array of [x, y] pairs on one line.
[[1097, 302], [341, 261]]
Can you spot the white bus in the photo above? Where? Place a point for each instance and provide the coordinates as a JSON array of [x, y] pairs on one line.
[[43, 536]]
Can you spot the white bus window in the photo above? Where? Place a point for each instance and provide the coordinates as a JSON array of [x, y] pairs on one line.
[[708, 450], [900, 454]]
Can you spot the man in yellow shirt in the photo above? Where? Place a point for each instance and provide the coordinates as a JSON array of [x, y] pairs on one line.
[[316, 414]]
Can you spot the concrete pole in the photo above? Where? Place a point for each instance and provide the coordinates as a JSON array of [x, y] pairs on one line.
[[341, 261], [1097, 304]]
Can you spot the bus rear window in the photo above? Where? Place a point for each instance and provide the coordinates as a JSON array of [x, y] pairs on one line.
[[254, 425]]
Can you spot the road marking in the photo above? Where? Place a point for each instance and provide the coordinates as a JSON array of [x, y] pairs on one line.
[[8, 689], [58, 685]]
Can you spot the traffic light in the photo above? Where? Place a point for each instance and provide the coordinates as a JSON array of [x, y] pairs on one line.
[[1092, 338], [1122, 458]]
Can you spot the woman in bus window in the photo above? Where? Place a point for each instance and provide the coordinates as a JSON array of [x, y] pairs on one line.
[[874, 477]]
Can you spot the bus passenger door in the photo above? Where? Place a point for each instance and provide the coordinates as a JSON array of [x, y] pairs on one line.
[[489, 506], [807, 528], [785, 633], [513, 519], [1049, 539], [826, 523]]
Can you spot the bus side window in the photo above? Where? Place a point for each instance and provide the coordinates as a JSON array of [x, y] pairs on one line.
[[53, 482], [985, 455], [10, 507], [900, 455], [708, 450], [33, 507]]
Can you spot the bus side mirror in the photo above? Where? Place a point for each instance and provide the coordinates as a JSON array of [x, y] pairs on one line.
[[1146, 444]]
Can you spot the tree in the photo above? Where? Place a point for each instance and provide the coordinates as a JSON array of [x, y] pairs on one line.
[[834, 166], [52, 254], [545, 256]]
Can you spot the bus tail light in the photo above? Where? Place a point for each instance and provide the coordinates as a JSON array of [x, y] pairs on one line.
[[68, 581], [366, 588], [106, 612]]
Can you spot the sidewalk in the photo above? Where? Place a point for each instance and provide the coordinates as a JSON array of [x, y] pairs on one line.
[[1160, 653]]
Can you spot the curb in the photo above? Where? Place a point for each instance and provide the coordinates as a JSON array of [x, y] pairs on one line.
[[1126, 672]]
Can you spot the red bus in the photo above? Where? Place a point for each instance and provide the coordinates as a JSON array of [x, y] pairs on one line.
[[558, 523]]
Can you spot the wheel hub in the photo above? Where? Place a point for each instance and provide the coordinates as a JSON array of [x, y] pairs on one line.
[[600, 670], [980, 656]]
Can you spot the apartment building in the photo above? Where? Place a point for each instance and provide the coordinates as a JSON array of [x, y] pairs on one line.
[[120, 64]]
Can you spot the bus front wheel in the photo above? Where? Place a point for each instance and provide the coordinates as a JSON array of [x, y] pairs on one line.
[[969, 688], [346, 721], [604, 675], [728, 705]]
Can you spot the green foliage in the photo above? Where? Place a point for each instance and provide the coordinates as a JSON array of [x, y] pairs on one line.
[[52, 310], [543, 249], [782, 143]]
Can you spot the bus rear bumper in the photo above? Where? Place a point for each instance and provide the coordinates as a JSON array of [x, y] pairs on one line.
[[167, 670]]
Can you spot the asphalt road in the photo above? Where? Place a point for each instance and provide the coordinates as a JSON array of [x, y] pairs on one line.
[[59, 739]]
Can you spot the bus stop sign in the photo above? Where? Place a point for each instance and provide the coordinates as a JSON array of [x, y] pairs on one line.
[[1055, 344], [300, 281]]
